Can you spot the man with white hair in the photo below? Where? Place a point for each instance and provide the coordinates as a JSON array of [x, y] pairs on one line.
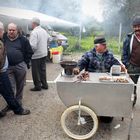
[[38, 41], [19, 53], [5, 85]]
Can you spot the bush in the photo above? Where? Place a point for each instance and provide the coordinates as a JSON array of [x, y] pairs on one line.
[[86, 44], [114, 46]]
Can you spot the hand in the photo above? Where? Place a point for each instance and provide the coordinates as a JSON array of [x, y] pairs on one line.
[[76, 71], [123, 69]]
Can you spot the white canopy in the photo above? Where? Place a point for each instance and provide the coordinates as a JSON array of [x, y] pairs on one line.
[[24, 14]]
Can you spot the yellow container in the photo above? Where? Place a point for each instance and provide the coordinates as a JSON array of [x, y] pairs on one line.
[[57, 49], [56, 57]]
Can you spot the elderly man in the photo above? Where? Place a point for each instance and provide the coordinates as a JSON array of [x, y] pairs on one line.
[[5, 85], [99, 59], [131, 53], [19, 53], [38, 40]]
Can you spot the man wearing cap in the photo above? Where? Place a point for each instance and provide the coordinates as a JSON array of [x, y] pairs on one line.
[[99, 59], [131, 53], [38, 40]]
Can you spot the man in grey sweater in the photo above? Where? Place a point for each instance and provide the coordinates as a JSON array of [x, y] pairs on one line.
[[38, 41]]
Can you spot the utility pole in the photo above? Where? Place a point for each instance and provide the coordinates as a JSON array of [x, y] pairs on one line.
[[80, 30], [120, 33]]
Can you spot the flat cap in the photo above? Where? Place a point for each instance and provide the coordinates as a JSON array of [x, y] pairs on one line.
[[136, 21], [36, 20], [99, 40]]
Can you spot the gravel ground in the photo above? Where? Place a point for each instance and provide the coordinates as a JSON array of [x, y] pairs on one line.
[[46, 108]]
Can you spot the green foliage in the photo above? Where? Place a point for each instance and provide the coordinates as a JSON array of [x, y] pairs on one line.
[[72, 43], [75, 45], [86, 44], [114, 46]]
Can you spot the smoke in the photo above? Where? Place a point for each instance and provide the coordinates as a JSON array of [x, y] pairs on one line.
[[67, 10], [27, 4], [72, 10]]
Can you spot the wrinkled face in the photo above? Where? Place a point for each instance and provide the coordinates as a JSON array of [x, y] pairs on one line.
[[136, 29], [12, 31], [101, 48]]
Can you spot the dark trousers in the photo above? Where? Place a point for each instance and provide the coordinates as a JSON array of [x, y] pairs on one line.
[[134, 73], [17, 76], [39, 72], [8, 94]]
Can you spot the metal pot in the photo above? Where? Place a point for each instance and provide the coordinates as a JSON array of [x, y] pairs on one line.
[[68, 66]]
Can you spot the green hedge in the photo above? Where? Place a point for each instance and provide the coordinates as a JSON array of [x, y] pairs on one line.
[[86, 44]]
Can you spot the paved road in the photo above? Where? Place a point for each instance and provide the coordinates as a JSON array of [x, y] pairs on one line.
[[44, 121]]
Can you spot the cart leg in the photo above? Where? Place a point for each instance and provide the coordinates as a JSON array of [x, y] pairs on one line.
[[128, 137], [130, 125]]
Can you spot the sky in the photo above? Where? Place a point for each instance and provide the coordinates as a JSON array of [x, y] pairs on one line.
[[92, 8]]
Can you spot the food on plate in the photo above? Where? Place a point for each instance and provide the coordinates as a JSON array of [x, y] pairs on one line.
[[105, 78], [120, 80], [114, 79]]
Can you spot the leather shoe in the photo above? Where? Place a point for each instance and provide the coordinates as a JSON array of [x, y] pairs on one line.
[[2, 114], [6, 109], [23, 112], [35, 89], [44, 87]]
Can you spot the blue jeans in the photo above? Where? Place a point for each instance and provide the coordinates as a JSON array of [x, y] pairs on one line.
[[8, 94]]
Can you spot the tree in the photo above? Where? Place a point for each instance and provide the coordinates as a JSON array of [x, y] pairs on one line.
[[119, 11]]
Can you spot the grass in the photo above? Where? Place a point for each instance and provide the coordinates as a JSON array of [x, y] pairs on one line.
[[86, 44], [114, 46]]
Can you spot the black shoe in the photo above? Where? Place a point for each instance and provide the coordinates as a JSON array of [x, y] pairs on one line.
[[44, 87], [2, 114], [6, 109], [23, 112], [106, 119], [35, 89]]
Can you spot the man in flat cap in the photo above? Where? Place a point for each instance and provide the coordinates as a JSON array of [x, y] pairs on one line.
[[131, 53], [99, 59]]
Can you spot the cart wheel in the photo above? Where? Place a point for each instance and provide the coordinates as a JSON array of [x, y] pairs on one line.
[[82, 127]]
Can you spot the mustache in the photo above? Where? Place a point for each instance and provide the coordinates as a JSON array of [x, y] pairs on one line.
[[137, 30]]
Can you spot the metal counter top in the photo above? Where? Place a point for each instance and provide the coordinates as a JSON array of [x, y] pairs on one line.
[[105, 98], [93, 78]]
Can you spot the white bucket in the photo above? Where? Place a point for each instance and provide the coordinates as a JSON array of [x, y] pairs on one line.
[[56, 57]]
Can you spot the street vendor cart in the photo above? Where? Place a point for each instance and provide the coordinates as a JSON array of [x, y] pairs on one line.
[[100, 95]]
